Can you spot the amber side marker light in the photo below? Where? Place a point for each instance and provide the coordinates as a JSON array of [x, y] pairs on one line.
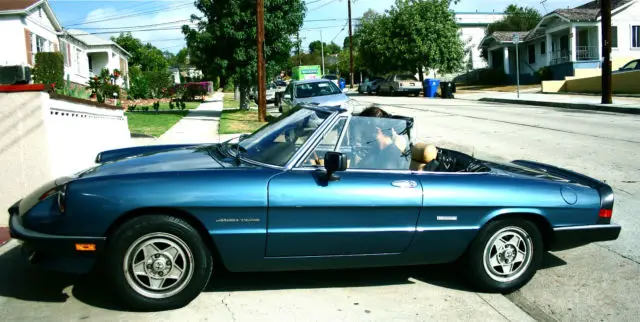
[[86, 247]]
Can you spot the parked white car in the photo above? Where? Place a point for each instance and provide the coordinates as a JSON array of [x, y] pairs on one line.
[[272, 88], [370, 85], [314, 92], [400, 84]]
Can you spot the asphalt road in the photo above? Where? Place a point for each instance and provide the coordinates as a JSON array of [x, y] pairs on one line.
[[596, 282]]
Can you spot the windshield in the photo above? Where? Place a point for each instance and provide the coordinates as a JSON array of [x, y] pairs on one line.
[[277, 142], [316, 89], [331, 77], [407, 78]]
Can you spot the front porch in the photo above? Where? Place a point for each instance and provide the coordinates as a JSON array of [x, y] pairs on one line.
[[561, 49], [574, 44]]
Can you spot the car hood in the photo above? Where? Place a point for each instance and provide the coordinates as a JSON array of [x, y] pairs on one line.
[[198, 157], [328, 100]]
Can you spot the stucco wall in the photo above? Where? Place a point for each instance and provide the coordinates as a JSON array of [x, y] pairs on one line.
[[624, 20], [13, 50], [622, 83], [43, 138]]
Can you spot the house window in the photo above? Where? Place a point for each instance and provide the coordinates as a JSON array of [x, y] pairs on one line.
[[78, 55], [65, 53], [543, 48], [635, 36], [532, 54], [614, 36]]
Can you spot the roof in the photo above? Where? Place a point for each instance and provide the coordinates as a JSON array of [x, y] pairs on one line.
[[507, 36], [21, 5], [309, 81], [615, 4], [92, 40], [579, 15]]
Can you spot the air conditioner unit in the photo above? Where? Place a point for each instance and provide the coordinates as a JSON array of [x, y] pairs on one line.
[[10, 75]]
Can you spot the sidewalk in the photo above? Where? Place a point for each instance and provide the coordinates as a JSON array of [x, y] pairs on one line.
[[199, 126], [627, 105]]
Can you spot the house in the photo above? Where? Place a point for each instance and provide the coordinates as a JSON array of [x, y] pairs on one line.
[[28, 27], [473, 26], [85, 55], [186, 73], [568, 42]]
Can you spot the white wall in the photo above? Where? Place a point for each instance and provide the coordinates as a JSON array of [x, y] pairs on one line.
[[624, 20], [472, 28], [13, 51], [37, 145], [540, 59]]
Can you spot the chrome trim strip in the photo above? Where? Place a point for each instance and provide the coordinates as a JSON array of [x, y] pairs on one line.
[[585, 227]]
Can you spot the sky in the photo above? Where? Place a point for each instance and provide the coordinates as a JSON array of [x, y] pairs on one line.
[[104, 17]]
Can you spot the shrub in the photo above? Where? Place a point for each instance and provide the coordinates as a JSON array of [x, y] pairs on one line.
[[49, 69], [182, 105], [156, 106], [490, 76], [544, 73], [132, 108], [158, 82], [171, 105], [145, 108]]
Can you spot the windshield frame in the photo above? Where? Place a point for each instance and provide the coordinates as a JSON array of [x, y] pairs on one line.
[[301, 151], [329, 83]]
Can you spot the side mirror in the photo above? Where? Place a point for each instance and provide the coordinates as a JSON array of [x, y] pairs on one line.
[[334, 162]]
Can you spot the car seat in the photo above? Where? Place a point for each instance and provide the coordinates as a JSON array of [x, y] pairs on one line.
[[423, 157]]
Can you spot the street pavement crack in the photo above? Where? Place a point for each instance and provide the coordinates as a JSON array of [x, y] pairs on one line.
[[226, 305], [506, 318], [619, 254]]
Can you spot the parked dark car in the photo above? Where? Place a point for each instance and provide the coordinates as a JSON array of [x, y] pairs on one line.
[[315, 189]]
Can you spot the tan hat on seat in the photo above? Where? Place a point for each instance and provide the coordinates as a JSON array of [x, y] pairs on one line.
[[421, 154]]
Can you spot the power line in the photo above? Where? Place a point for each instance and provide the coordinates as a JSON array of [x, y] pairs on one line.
[[139, 26], [323, 5], [341, 30], [132, 15], [138, 30], [126, 8]]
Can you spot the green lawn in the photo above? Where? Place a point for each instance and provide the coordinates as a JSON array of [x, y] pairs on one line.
[[165, 106], [228, 103], [237, 121], [153, 124]]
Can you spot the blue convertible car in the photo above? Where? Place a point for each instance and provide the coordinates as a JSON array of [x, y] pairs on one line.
[[318, 188]]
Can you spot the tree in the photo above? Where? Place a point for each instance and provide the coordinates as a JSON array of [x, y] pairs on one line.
[[146, 56], [329, 49], [412, 35], [516, 19], [224, 41]]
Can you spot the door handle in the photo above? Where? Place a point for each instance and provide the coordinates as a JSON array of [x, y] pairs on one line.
[[404, 184]]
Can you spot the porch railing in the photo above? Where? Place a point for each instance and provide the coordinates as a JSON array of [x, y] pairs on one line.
[[560, 56], [587, 53]]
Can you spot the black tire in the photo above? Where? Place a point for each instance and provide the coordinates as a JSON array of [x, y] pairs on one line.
[[197, 262], [486, 279]]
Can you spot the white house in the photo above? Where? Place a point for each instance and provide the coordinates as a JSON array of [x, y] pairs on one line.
[[28, 27], [568, 42], [473, 26], [85, 55]]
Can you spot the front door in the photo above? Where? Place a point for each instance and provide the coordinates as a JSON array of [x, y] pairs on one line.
[[366, 211]]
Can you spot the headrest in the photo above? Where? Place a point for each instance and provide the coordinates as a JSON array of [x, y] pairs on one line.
[[424, 153]]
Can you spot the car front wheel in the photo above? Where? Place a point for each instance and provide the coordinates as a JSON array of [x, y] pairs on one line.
[[505, 255], [157, 262]]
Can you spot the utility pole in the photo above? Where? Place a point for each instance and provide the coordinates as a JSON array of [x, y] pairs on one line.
[[322, 51], [350, 47], [298, 40], [605, 9], [262, 91]]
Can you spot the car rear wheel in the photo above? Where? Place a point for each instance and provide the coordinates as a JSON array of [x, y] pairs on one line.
[[504, 256], [157, 262]]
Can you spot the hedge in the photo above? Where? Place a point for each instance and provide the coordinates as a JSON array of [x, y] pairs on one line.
[[49, 69]]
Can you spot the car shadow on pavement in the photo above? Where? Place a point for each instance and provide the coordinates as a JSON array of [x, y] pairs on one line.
[[207, 115], [19, 280]]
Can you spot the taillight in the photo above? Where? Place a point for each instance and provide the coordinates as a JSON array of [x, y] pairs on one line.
[[605, 213]]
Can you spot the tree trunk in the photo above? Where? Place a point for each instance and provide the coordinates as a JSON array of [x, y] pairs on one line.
[[244, 98], [421, 74]]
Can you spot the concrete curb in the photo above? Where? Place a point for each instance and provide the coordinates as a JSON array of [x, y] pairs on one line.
[[576, 106]]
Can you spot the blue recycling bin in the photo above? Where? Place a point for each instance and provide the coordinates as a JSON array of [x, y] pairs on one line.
[[343, 83], [431, 87]]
